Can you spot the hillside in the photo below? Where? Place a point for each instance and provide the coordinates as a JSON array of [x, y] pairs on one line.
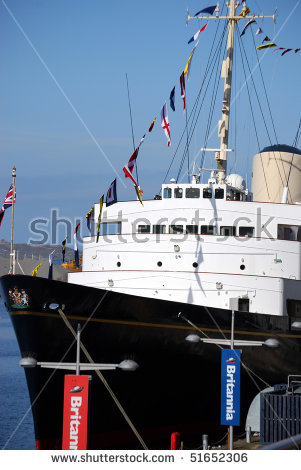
[[25, 251], [29, 256]]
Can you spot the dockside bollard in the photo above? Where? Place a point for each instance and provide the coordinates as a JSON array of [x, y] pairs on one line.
[[248, 435], [205, 441]]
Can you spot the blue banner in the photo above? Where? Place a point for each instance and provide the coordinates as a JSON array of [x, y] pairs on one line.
[[230, 387]]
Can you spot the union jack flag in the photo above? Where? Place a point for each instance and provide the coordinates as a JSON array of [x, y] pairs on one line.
[[8, 202]]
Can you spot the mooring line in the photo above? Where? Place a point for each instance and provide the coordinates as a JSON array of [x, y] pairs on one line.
[[101, 377]]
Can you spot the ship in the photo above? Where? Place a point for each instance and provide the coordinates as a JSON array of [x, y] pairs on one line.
[[159, 288]]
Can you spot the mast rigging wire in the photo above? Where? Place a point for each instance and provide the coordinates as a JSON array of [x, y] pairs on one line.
[[194, 109], [127, 84], [214, 63], [262, 114], [295, 144], [253, 119]]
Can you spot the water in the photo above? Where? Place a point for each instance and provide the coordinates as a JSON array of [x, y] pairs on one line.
[[16, 425]]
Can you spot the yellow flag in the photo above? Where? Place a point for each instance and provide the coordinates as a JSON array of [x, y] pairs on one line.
[[244, 13], [265, 46], [188, 65], [138, 192], [35, 271]]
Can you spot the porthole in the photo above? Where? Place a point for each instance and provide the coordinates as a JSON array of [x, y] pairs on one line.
[[159, 264], [195, 265], [242, 267], [118, 264], [53, 306]]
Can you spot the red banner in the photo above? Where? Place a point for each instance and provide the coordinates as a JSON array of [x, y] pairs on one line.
[[75, 419]]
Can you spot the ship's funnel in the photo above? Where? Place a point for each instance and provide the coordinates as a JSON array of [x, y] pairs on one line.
[[274, 169]]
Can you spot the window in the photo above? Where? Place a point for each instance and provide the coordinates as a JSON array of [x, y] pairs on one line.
[[192, 192], [159, 228], [167, 193], [110, 228], [228, 231], [229, 195], [219, 193], [143, 228], [208, 230], [192, 229], [293, 308], [207, 193], [176, 229], [246, 231], [289, 232], [178, 192], [243, 305]]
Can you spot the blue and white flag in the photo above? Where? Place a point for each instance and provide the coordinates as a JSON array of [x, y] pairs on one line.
[[111, 194], [172, 99], [194, 38]]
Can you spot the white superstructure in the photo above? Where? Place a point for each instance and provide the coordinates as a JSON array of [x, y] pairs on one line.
[[200, 244]]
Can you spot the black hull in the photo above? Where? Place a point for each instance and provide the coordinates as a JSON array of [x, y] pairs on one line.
[[177, 386]]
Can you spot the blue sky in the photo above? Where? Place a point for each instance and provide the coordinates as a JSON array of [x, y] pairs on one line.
[[64, 103]]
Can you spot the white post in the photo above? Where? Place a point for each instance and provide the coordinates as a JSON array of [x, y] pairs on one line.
[[284, 195], [11, 261]]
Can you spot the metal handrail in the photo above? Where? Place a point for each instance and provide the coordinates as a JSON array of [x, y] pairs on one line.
[[293, 442]]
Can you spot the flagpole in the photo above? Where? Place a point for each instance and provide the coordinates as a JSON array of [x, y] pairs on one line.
[[11, 261]]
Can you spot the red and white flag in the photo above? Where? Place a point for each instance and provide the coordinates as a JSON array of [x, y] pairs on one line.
[[132, 160], [165, 123], [128, 173], [182, 83]]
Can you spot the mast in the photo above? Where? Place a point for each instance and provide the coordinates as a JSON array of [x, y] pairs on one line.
[[12, 254], [227, 65], [226, 73]]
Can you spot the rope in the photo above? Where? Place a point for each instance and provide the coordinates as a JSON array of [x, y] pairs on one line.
[[295, 143], [213, 100], [101, 377], [247, 369], [297, 137], [194, 109], [253, 119], [195, 118], [262, 114], [127, 84]]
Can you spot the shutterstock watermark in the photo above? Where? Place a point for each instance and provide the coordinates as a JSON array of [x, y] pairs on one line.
[[48, 230]]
